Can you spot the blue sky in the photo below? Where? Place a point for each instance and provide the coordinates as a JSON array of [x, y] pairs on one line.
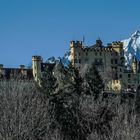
[[45, 27]]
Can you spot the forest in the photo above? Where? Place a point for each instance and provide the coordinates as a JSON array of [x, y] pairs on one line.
[[67, 105]]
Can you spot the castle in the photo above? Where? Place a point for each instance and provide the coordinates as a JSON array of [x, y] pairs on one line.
[[21, 73], [109, 60]]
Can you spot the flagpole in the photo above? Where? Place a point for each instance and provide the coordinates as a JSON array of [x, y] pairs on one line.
[[83, 39]]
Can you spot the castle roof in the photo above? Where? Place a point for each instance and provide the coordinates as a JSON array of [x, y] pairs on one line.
[[15, 72]]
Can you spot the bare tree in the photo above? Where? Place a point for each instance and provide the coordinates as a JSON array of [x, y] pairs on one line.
[[27, 114]]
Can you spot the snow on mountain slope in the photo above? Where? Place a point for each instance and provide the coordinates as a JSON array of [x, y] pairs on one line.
[[65, 60], [132, 48], [51, 60]]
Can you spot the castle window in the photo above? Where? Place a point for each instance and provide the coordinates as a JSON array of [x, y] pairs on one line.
[[120, 70], [116, 61], [80, 61], [129, 75], [86, 54], [120, 76], [111, 61], [75, 60], [100, 53], [79, 54]]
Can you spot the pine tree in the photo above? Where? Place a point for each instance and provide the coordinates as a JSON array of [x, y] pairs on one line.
[[94, 82], [76, 80], [48, 82], [66, 105], [60, 73]]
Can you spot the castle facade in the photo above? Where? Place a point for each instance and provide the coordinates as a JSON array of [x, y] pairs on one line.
[[110, 62], [21, 73]]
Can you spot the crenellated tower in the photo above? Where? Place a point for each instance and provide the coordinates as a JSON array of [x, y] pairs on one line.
[[118, 47], [36, 66], [134, 65], [75, 49]]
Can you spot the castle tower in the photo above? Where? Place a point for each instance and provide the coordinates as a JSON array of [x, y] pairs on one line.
[[117, 46], [36, 66], [75, 48], [134, 65]]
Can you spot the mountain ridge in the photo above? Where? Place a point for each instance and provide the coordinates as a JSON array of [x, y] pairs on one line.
[[131, 48]]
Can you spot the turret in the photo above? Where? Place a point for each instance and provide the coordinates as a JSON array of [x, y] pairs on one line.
[[36, 66], [75, 46], [134, 65], [117, 46]]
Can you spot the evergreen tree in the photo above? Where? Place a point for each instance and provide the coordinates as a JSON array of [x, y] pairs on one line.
[[48, 82], [76, 80], [66, 106], [94, 82], [60, 73]]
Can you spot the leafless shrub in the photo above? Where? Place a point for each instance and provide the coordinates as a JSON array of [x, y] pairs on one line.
[[122, 122], [25, 114]]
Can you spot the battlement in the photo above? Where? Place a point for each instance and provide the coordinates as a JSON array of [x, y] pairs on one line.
[[117, 44], [96, 49], [36, 58], [75, 43]]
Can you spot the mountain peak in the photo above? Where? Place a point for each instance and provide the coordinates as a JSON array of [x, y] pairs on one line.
[[132, 48], [136, 34]]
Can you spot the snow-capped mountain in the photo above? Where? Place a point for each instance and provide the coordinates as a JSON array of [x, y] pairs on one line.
[[131, 48], [65, 60], [51, 60]]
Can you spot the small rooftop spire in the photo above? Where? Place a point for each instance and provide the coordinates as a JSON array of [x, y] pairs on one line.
[[99, 42]]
